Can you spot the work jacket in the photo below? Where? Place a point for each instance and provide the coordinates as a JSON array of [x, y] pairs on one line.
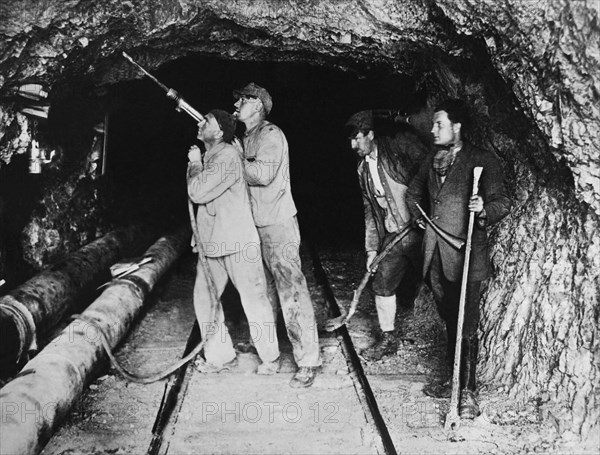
[[448, 204], [398, 159], [224, 217], [267, 171]]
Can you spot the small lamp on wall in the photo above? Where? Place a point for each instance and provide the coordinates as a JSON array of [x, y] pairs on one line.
[[38, 157], [36, 94]]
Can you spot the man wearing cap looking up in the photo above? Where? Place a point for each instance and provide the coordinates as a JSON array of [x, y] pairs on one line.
[[266, 164], [388, 163], [226, 229]]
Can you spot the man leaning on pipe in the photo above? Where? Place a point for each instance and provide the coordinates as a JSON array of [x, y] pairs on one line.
[[444, 184], [230, 243], [390, 157], [266, 164]]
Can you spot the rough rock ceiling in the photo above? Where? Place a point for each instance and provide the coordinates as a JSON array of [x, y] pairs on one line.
[[546, 50]]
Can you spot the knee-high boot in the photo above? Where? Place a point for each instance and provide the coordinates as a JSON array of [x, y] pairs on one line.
[[468, 364], [468, 408]]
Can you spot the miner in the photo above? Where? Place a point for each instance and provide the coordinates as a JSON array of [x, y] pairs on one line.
[[266, 164], [389, 159], [444, 184], [230, 243]]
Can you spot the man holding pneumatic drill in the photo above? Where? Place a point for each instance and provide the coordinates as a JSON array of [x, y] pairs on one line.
[[227, 233], [444, 183]]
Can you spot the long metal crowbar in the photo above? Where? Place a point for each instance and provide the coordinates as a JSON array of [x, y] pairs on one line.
[[453, 418]]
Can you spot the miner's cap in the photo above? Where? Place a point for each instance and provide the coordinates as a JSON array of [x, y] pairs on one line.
[[256, 91], [227, 123], [360, 121]]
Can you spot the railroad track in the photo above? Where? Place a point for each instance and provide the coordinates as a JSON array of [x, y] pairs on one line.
[[176, 388], [339, 414]]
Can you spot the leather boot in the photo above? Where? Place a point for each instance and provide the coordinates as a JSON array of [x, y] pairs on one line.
[[442, 388], [387, 345], [468, 406]]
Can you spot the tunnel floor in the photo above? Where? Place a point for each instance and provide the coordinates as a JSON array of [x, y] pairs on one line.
[[239, 412]]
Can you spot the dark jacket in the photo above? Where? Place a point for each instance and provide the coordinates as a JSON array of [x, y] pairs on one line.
[[400, 156], [448, 208]]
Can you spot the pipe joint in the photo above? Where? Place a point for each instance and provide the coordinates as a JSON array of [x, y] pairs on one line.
[[16, 317], [137, 284]]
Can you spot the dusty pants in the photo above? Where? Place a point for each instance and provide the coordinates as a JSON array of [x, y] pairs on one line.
[[247, 275], [280, 245]]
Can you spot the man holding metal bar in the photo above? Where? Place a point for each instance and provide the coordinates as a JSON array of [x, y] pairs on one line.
[[388, 163], [444, 185]]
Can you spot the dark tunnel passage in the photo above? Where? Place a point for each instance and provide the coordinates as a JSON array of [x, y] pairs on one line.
[[147, 143], [148, 140], [143, 180]]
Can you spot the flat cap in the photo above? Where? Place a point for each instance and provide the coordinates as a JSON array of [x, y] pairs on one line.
[[361, 121], [256, 91]]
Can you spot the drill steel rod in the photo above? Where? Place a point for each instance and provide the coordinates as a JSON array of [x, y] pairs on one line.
[[182, 105]]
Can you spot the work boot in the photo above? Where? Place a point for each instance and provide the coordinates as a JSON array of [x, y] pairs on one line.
[[268, 368], [304, 377], [387, 345], [439, 389], [468, 363], [205, 367], [246, 347], [468, 407]]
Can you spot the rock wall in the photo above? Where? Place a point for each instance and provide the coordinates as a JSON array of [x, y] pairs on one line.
[[540, 320], [549, 53]]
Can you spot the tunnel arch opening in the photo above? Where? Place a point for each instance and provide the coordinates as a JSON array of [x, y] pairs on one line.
[[149, 139]]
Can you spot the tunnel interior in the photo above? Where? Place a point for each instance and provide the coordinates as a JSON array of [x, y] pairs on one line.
[[527, 70], [147, 139], [143, 177]]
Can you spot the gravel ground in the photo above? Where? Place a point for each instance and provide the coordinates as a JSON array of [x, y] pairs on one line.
[[114, 416], [415, 420]]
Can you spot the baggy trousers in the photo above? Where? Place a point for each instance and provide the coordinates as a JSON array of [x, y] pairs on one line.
[[247, 275], [280, 244], [447, 297], [404, 255]]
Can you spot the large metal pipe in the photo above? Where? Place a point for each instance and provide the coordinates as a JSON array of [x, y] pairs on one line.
[[36, 401], [29, 311]]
